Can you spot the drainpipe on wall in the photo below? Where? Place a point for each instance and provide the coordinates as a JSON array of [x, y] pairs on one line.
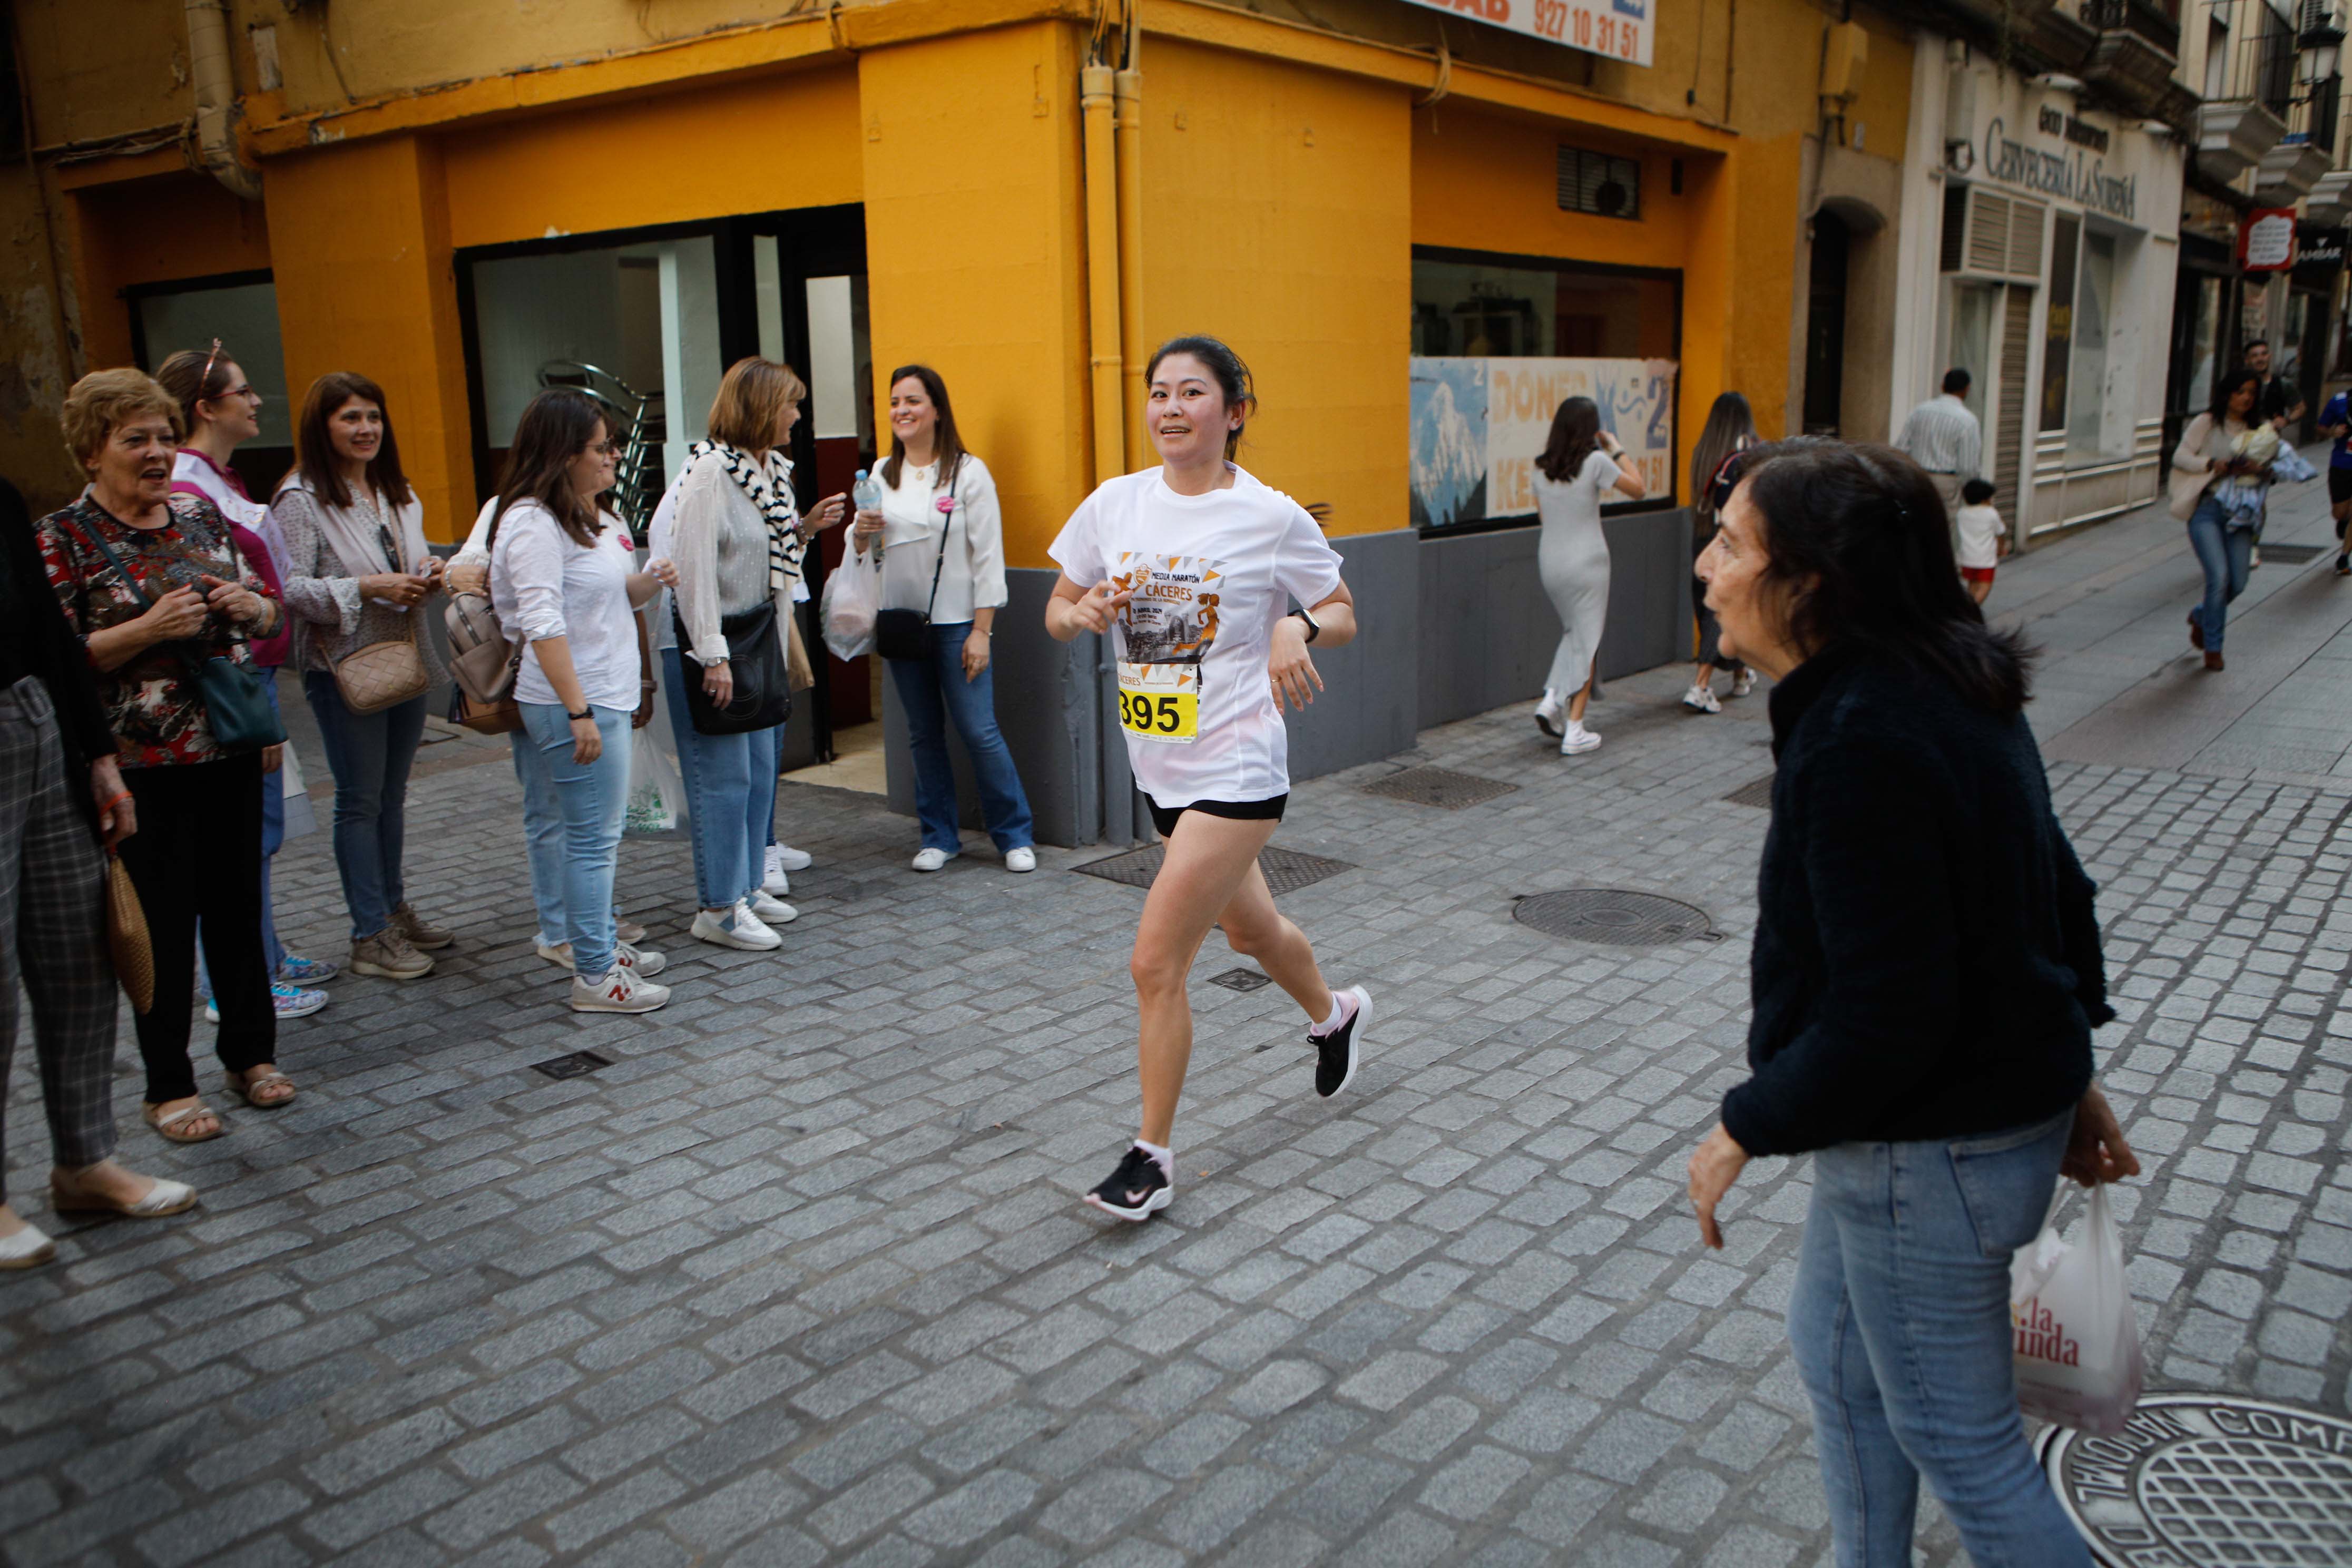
[[210, 71], [1129, 88], [1095, 103]]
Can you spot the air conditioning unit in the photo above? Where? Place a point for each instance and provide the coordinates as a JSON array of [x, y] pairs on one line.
[[1993, 237]]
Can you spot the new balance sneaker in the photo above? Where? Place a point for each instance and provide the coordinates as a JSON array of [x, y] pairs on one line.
[[287, 1001], [296, 970], [619, 992], [1744, 682], [771, 911], [1137, 1190], [1336, 1053], [736, 928], [645, 965], [1701, 700], [784, 858], [1578, 738], [1548, 714]]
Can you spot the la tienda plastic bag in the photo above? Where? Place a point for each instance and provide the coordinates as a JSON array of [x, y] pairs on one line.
[[2077, 1343]]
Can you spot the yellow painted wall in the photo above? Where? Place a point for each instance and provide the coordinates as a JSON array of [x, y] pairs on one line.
[[365, 282], [781, 140], [100, 68], [975, 261], [182, 225], [1276, 218]]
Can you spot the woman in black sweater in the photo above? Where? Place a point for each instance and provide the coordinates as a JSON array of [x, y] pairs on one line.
[[1927, 976], [61, 798]]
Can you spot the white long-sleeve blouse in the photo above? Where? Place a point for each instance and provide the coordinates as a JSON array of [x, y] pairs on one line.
[[972, 578]]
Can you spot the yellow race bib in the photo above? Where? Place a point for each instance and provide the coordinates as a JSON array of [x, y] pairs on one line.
[[1160, 701]]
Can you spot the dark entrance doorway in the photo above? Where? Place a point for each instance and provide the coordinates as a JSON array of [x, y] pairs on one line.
[[1825, 325]]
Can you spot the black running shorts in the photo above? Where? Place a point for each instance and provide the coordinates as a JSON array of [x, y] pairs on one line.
[[2339, 485], [1268, 810]]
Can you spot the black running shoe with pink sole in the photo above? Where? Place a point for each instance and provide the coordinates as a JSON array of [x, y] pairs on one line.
[[1137, 1190], [1336, 1053]]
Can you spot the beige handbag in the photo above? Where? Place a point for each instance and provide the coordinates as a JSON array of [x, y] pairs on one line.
[[382, 675], [126, 937], [797, 673]]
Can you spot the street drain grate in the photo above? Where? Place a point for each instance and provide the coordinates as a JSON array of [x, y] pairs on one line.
[[1616, 916], [579, 1064], [2292, 554], [1757, 792], [2207, 1478], [1439, 787], [1286, 870], [1241, 979]]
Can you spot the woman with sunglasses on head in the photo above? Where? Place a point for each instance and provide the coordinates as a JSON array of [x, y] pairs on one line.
[[358, 575], [1730, 429], [156, 588], [563, 582], [1190, 568], [1580, 461], [221, 409]]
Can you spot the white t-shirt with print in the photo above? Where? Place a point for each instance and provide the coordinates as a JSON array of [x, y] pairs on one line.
[[1212, 575], [1980, 529]]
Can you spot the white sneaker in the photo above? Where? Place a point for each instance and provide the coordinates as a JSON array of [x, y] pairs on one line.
[[929, 860], [771, 911], [646, 966], [1021, 860], [1547, 712], [1578, 738], [27, 1249], [1744, 682], [619, 992], [784, 858], [737, 928], [1701, 700]]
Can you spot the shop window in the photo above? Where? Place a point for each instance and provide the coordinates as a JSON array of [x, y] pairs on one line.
[[2058, 324], [1499, 342], [2094, 294], [1600, 183], [1969, 340], [241, 311]]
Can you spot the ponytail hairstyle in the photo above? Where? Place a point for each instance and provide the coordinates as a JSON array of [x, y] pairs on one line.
[[314, 447], [947, 446], [1225, 367], [193, 377], [1858, 547], [1730, 424], [556, 426], [1575, 436]]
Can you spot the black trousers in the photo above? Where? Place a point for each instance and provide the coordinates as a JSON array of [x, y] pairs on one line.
[[197, 856]]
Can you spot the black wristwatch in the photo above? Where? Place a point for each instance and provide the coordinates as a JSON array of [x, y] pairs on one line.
[[589, 713], [1313, 628]]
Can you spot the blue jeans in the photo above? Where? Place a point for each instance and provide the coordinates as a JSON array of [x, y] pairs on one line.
[[591, 799], [370, 756], [730, 787], [933, 691], [542, 835], [2227, 555], [1900, 1321]]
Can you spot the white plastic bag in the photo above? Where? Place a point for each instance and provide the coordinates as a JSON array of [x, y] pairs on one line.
[[2076, 1341], [657, 786], [852, 597], [2289, 467]]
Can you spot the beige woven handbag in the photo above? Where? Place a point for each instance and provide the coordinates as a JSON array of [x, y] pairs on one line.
[[126, 936], [382, 675]]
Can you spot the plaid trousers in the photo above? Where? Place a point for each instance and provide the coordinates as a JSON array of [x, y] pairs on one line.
[[53, 931]]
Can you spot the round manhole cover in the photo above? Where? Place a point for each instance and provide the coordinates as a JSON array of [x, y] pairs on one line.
[[2205, 1478], [1616, 916]]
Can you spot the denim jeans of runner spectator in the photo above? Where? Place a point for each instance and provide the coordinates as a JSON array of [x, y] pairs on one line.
[[730, 787], [370, 754], [592, 798], [197, 856], [2226, 554], [1900, 1321], [933, 692]]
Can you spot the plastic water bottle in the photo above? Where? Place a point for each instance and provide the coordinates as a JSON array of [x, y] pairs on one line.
[[866, 492]]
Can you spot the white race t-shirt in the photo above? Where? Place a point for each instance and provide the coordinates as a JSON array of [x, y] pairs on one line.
[[1212, 575], [1980, 529]]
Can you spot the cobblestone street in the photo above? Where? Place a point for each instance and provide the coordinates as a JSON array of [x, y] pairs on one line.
[[803, 1276]]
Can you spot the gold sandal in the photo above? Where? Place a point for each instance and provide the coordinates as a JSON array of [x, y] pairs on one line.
[[168, 1126], [239, 1086]]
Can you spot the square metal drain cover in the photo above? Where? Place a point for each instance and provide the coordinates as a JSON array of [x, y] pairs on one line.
[[579, 1064], [2292, 554], [1286, 870], [1241, 979], [1439, 787], [1755, 791], [1618, 917]]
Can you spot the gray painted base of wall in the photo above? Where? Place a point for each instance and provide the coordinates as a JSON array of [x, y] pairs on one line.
[[1453, 626]]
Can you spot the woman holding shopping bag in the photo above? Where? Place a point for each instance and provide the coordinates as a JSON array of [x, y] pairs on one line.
[[1928, 976], [2220, 493]]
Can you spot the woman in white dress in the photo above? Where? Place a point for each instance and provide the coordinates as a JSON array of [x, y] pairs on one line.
[[1578, 467]]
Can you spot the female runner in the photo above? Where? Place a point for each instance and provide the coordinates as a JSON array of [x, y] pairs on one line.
[[1194, 564]]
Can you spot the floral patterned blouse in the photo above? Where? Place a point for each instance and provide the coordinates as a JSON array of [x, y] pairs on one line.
[[151, 702]]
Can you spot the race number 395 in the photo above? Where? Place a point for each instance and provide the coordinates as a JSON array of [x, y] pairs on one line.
[[1160, 701]]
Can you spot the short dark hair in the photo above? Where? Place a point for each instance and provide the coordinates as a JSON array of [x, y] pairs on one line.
[[1975, 492], [2253, 343], [1856, 541], [1956, 381]]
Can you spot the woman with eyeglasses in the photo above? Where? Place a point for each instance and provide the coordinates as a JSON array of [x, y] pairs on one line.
[[357, 575], [222, 410], [1580, 464], [1730, 429]]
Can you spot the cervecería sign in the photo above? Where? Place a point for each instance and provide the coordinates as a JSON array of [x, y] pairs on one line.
[[1617, 29], [2071, 175]]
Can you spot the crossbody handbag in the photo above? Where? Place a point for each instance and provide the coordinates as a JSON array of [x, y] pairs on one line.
[[762, 698], [483, 663], [907, 634], [237, 703], [382, 675]]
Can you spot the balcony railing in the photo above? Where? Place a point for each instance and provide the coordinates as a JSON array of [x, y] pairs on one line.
[[2156, 21]]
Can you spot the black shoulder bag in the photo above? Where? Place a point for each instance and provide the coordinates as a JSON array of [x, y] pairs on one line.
[[755, 659], [236, 704], [907, 634]]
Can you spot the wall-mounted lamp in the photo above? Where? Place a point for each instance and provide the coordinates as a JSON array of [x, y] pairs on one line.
[[2318, 47]]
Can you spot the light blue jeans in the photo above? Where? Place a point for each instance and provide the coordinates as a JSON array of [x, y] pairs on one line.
[[590, 799], [2226, 554], [731, 786], [1900, 1321], [933, 691]]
